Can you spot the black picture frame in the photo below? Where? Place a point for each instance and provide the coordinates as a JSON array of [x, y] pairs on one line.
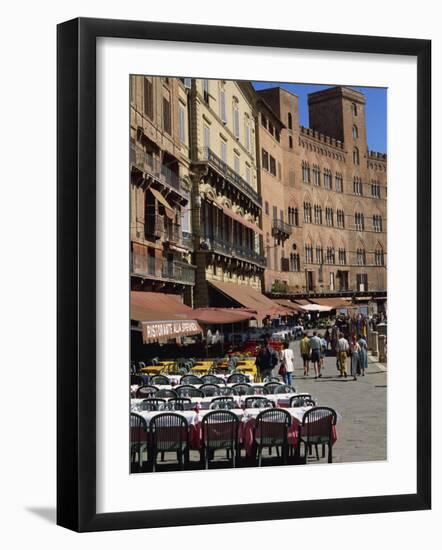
[[76, 273]]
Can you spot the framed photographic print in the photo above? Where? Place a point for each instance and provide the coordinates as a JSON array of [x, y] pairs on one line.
[[239, 298]]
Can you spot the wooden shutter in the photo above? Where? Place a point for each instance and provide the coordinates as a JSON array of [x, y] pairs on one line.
[[166, 116], [148, 98]]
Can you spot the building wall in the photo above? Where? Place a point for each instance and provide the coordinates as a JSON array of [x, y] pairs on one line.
[[159, 141], [332, 111], [224, 150]]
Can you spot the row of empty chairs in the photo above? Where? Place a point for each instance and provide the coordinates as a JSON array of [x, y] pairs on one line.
[[169, 432], [225, 402], [163, 380], [209, 390]]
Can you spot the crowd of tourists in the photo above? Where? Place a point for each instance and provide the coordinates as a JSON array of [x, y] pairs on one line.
[[351, 356]]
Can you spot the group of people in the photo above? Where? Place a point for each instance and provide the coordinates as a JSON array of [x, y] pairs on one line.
[[356, 349], [313, 349]]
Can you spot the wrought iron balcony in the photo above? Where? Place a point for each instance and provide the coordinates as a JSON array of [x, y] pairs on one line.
[[281, 230], [232, 250], [145, 162], [160, 269], [181, 272], [224, 169]]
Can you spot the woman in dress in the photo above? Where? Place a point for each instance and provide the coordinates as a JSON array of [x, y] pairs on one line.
[[363, 355], [354, 352]]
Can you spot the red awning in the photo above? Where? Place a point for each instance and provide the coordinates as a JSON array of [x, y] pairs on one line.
[[289, 304], [223, 316], [332, 302], [162, 316], [252, 299]]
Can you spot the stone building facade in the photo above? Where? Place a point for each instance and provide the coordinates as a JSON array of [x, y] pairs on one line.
[[160, 232], [335, 193], [226, 198], [227, 187]]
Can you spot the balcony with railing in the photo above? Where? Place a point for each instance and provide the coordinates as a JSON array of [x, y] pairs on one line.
[[206, 154], [160, 269], [233, 250], [281, 230], [146, 162], [181, 272]]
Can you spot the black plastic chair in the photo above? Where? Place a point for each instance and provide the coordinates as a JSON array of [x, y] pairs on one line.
[[188, 391], [160, 380], [301, 401], [169, 432], [181, 403], [243, 389], [317, 429], [225, 402], [225, 391], [212, 379], [271, 430], [146, 391], [271, 386], [220, 431], [151, 404], [260, 390], [138, 440], [258, 402], [210, 390], [284, 388], [166, 394], [191, 379], [237, 378]]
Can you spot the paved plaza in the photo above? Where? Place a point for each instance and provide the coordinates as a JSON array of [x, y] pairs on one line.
[[362, 430]]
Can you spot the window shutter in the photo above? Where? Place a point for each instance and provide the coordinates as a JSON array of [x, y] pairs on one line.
[[222, 105], [148, 98]]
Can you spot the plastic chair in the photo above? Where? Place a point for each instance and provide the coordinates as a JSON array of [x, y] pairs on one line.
[[317, 429], [220, 431], [271, 429], [169, 433]]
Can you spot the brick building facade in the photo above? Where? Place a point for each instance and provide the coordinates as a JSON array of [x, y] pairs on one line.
[[335, 192], [227, 187]]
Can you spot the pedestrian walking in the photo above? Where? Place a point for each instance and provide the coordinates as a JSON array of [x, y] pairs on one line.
[[287, 364], [327, 338], [315, 357], [363, 354], [304, 346], [354, 354], [323, 350], [266, 360], [342, 349]]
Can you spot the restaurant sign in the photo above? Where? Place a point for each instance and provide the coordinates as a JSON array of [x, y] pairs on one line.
[[162, 331]]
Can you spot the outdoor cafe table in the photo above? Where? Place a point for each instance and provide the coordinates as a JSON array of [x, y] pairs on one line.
[[247, 419]]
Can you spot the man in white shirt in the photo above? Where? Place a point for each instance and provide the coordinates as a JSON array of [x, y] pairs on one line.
[[288, 363], [342, 348]]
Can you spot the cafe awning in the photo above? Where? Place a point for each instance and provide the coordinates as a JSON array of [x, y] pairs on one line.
[[289, 304], [334, 303], [223, 316], [250, 298], [170, 213], [316, 307], [162, 316]]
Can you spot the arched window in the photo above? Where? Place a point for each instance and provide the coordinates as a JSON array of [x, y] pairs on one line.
[[354, 109], [355, 155], [360, 256], [289, 121], [359, 221], [355, 132], [379, 256]]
